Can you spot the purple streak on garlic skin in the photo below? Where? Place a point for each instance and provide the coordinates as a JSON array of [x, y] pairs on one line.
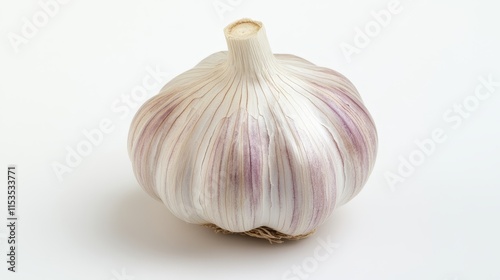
[[353, 121], [238, 161], [144, 149], [253, 149]]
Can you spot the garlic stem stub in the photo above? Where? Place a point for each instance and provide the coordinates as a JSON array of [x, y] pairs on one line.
[[248, 140]]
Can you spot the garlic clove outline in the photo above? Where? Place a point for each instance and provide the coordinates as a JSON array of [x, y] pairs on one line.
[[248, 140]]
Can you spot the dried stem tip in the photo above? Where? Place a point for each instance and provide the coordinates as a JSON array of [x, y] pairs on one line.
[[243, 29], [248, 49]]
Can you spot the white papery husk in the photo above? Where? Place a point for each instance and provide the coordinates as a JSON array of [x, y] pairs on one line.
[[249, 140]]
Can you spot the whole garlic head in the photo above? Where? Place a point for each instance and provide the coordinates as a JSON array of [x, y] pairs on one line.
[[247, 139]]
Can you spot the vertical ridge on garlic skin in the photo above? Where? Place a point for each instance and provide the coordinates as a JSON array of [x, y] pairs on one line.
[[307, 188], [201, 109], [155, 119], [350, 119]]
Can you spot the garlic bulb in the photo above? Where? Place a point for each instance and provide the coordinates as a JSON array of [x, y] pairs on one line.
[[249, 141]]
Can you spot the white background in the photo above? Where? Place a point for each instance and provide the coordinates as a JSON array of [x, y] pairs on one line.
[[441, 222]]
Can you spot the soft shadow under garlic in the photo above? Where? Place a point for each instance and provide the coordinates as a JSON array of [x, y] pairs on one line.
[[143, 224]]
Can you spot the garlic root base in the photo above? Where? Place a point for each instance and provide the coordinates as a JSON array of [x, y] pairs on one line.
[[273, 236]]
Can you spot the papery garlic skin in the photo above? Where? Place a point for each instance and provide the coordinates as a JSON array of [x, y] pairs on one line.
[[248, 139]]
